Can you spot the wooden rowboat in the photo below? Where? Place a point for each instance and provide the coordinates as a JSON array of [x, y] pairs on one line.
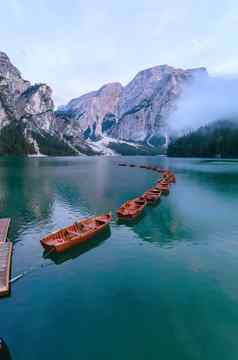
[[164, 188], [75, 234], [131, 209], [155, 168], [152, 196], [164, 182], [169, 176], [169, 180]]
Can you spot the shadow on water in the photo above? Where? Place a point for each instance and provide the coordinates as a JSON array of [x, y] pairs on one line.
[[80, 249], [133, 222]]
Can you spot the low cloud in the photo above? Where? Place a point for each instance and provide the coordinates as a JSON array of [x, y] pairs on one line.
[[204, 101]]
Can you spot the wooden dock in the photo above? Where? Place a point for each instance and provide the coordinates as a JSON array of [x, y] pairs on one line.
[[5, 257], [4, 226], [5, 267]]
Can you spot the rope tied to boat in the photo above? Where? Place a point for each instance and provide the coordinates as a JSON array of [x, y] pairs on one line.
[[31, 269]]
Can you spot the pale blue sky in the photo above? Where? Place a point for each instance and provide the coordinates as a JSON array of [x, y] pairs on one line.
[[77, 46]]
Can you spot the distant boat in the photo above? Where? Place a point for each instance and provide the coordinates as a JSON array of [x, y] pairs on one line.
[[131, 209], [163, 187], [4, 351], [169, 176], [75, 234], [152, 196]]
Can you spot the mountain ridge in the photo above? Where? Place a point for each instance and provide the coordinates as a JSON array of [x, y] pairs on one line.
[[113, 119], [135, 112]]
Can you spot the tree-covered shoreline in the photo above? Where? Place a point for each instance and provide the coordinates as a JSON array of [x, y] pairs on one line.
[[219, 139]]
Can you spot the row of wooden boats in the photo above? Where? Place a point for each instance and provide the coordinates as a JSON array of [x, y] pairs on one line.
[[134, 208], [147, 167], [82, 231]]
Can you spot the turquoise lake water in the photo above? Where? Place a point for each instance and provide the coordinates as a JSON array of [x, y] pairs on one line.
[[164, 288]]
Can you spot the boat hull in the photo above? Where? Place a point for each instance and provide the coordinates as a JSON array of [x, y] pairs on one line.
[[60, 244], [132, 209], [152, 197], [131, 216], [163, 188]]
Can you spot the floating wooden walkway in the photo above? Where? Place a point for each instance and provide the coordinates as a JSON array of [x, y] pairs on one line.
[[5, 257], [5, 267], [4, 226]]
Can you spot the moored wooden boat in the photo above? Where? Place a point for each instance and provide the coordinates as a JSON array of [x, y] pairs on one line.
[[132, 208], [152, 196], [154, 190], [75, 234], [169, 176], [164, 182], [164, 188], [122, 164], [155, 168]]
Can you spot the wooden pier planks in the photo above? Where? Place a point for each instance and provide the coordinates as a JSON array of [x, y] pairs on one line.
[[4, 226], [5, 267]]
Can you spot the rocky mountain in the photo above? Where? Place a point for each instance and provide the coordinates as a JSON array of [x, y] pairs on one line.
[[136, 113], [113, 119], [27, 119]]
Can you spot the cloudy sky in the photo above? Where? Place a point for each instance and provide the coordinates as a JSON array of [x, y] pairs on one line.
[[78, 45]]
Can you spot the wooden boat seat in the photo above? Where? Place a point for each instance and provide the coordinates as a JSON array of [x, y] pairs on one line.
[[74, 233]]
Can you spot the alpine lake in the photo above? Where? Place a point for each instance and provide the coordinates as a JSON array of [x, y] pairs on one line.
[[164, 287]]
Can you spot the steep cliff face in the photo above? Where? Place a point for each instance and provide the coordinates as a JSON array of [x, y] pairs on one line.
[[11, 87], [12, 75], [147, 102], [114, 119], [136, 113], [27, 119], [91, 109]]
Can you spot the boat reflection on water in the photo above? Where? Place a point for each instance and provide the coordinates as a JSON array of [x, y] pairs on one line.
[[79, 250], [132, 222]]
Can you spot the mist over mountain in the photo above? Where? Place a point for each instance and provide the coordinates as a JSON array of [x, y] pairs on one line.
[[139, 118], [217, 139], [203, 101], [136, 113]]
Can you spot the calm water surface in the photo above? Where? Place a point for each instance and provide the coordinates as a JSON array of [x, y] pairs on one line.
[[165, 288]]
